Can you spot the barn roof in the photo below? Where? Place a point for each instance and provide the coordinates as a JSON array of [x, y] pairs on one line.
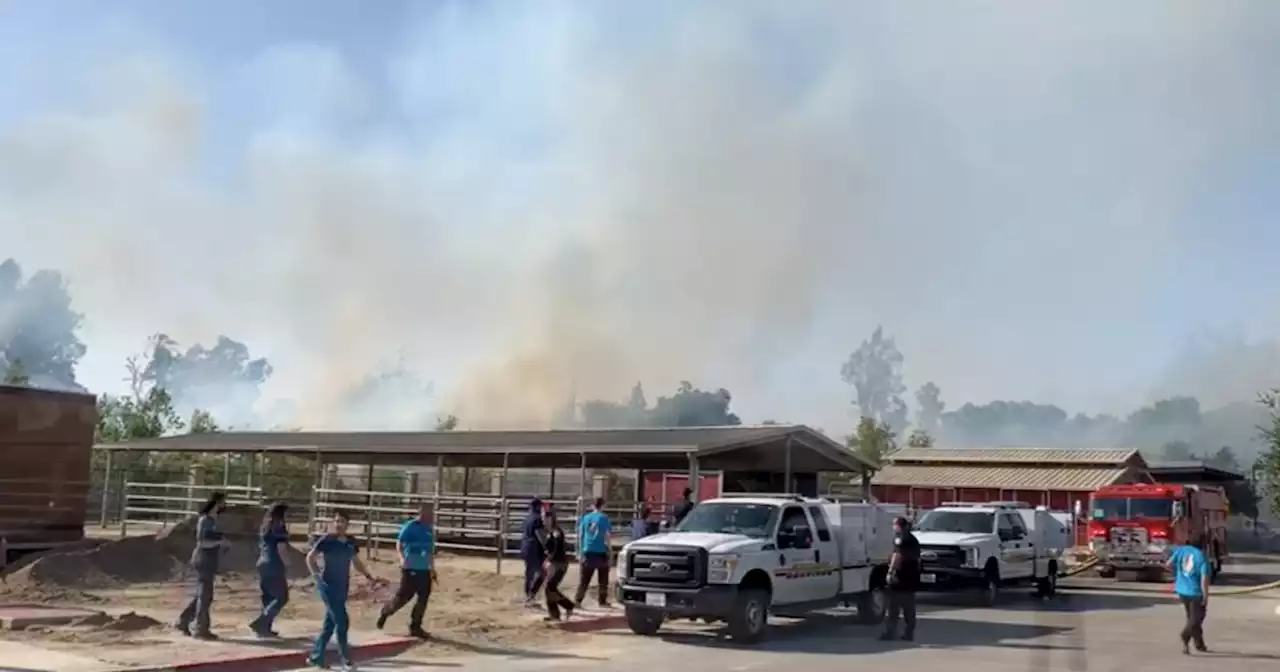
[[738, 447], [1012, 468]]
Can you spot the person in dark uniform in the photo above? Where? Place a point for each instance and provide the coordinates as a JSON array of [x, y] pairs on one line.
[[273, 579], [904, 581], [556, 552], [531, 551], [330, 561], [683, 507], [204, 560]]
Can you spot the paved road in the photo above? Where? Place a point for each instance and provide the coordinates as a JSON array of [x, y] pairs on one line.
[[1096, 630]]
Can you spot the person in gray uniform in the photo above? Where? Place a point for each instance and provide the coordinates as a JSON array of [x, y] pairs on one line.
[[204, 560]]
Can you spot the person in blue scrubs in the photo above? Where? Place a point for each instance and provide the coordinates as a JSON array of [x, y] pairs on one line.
[[273, 578], [416, 544], [531, 551], [333, 582], [595, 535], [1191, 583], [204, 560]]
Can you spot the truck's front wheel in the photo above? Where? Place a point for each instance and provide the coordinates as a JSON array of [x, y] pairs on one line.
[[871, 605], [750, 615], [645, 622], [990, 587]]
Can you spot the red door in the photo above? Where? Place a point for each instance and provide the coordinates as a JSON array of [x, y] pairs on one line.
[[666, 488]]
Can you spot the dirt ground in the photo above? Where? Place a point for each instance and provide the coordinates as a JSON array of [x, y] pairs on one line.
[[141, 583]]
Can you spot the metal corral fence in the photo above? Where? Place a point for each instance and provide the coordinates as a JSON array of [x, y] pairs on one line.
[[164, 504], [468, 523], [484, 524]]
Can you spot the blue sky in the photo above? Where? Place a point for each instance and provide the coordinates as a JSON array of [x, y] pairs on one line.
[[1041, 202]]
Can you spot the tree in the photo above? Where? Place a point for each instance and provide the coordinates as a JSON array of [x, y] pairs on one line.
[[224, 378], [16, 374], [692, 407], [930, 404], [874, 371], [39, 328], [447, 423], [1269, 461], [919, 439], [1005, 423], [393, 397], [873, 441]]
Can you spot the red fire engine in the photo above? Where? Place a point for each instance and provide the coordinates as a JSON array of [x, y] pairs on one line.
[[1132, 527]]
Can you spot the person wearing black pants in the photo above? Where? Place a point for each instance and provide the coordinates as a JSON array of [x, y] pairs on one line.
[[531, 551], [416, 544], [556, 552], [904, 581], [1191, 582], [595, 537]]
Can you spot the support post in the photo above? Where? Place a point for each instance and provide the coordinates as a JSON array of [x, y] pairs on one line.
[[368, 510], [580, 507], [106, 491], [504, 521], [639, 491], [437, 489], [786, 470], [317, 483], [552, 495], [695, 480], [226, 470]]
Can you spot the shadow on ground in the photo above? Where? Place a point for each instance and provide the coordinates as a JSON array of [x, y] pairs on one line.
[[477, 648], [812, 635]]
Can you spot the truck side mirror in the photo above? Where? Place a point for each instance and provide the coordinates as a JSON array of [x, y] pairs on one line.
[[1177, 510]]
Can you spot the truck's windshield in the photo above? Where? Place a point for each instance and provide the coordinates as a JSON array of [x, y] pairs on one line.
[[752, 520], [1123, 508], [968, 522]]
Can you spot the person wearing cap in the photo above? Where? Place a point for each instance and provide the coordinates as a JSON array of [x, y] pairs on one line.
[[531, 551], [904, 581], [683, 507]]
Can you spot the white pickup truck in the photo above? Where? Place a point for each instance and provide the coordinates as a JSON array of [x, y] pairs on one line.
[[738, 559], [988, 546]]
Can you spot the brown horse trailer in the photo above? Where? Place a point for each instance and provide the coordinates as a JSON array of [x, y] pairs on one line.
[[46, 446]]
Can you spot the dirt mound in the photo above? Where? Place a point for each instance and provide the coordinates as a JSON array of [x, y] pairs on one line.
[[151, 558]]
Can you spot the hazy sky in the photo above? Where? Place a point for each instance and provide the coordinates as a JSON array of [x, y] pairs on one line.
[[1039, 200]]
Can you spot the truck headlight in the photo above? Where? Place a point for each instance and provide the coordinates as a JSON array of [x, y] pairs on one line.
[[720, 568], [971, 557]]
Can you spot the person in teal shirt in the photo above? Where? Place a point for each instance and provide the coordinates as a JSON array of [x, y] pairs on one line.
[[331, 558], [595, 535], [1191, 583], [416, 544]]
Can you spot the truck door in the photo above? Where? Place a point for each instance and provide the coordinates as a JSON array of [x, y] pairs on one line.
[[1016, 552], [795, 544], [826, 553]]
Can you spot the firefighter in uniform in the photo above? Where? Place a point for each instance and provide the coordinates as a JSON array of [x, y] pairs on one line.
[[904, 581]]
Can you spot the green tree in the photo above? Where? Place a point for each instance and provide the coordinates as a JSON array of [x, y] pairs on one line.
[[874, 371], [873, 441], [16, 374], [1268, 465], [40, 328]]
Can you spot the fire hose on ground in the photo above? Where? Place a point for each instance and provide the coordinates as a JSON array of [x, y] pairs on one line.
[[1216, 592]]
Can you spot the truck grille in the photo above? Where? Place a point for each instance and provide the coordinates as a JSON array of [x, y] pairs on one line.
[[1127, 537], [667, 567], [941, 556]]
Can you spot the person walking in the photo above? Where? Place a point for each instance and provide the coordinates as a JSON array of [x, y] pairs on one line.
[[204, 560], [903, 582], [333, 582], [1191, 583], [416, 544], [683, 507], [640, 525], [531, 551], [556, 551], [273, 570], [595, 537]]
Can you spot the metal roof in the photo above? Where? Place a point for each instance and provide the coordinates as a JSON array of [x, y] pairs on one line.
[[1008, 478], [1187, 467], [1114, 457], [745, 447]]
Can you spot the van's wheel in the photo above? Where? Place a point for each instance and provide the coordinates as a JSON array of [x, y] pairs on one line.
[[990, 586], [872, 605], [645, 622], [1047, 586], [1107, 572], [750, 616]]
